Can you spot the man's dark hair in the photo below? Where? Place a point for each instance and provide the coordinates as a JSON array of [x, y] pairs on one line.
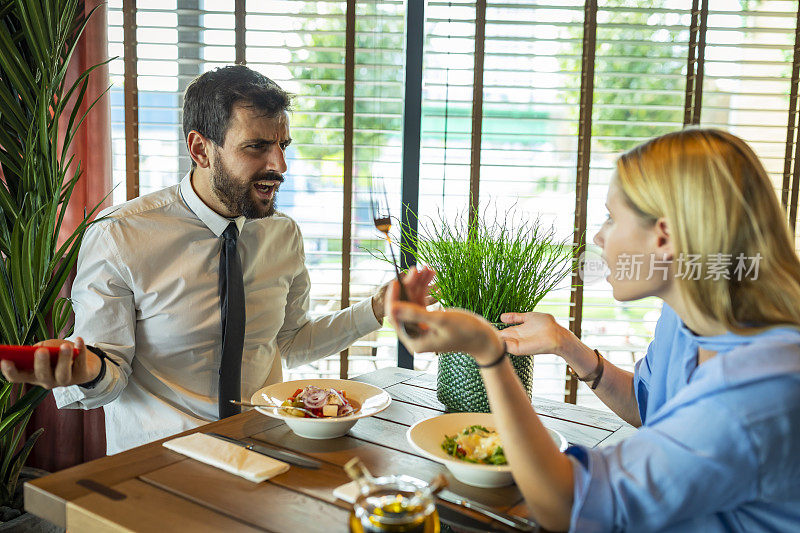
[[209, 100]]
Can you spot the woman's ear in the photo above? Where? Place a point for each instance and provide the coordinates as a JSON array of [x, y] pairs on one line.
[[664, 245], [199, 147]]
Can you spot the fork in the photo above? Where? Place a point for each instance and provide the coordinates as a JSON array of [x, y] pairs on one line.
[[273, 406], [379, 205]]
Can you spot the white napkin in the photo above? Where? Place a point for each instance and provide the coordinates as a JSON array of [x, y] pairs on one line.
[[227, 456], [348, 492]]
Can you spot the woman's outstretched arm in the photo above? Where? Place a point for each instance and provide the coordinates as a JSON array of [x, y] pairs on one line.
[[542, 472], [538, 333]]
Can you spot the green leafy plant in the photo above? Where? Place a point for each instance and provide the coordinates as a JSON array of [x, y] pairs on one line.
[[496, 265], [489, 264], [40, 113]]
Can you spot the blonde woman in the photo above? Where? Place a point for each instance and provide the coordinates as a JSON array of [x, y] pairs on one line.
[[716, 398]]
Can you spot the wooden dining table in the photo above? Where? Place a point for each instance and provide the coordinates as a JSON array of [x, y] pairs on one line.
[[151, 488]]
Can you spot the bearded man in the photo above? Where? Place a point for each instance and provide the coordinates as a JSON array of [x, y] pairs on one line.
[[192, 296]]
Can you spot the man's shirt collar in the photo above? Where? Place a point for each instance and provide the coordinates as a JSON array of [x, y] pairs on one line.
[[215, 222]]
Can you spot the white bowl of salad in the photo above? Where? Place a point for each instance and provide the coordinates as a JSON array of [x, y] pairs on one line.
[[468, 445], [321, 408]]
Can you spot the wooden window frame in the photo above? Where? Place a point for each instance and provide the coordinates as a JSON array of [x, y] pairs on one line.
[[411, 129]]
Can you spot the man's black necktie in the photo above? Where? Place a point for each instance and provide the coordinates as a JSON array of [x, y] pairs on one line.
[[231, 298]]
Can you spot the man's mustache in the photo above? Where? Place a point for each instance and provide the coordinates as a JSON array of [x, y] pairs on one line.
[[270, 176]]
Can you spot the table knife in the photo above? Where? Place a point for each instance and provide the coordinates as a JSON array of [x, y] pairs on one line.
[[516, 522], [270, 451], [461, 522]]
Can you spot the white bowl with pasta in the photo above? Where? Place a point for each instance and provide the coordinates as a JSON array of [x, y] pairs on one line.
[[367, 400], [427, 437]]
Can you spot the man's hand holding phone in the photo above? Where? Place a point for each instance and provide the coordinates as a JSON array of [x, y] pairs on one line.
[[68, 370]]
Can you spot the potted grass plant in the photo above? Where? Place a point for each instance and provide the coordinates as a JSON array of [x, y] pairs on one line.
[[490, 266], [40, 112]]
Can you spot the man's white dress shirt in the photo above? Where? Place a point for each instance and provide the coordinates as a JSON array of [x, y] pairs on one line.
[[147, 293]]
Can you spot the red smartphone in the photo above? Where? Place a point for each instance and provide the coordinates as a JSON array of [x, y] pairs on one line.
[[22, 356]]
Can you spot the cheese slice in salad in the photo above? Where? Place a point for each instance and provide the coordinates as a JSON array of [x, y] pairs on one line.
[[476, 444]]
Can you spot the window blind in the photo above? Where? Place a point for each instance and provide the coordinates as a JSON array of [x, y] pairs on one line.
[[791, 172], [528, 105], [529, 138], [446, 108], [378, 126], [749, 56], [176, 40], [639, 88], [116, 68], [445, 136], [748, 75], [301, 45]]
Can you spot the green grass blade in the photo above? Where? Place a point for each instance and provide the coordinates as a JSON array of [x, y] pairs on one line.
[[11, 322], [13, 443], [36, 34], [19, 458], [15, 67], [72, 129], [501, 263], [16, 265], [37, 40]]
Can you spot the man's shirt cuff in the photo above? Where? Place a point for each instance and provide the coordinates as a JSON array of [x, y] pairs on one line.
[[364, 317], [76, 397]]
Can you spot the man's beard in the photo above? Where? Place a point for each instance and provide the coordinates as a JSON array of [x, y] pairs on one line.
[[238, 197]]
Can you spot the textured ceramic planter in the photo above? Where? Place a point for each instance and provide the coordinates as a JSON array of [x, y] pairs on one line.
[[459, 385]]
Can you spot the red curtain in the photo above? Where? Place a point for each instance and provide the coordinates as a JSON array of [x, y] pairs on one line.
[[74, 436]]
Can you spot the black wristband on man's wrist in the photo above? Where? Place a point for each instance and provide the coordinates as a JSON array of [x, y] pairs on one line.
[[102, 355]]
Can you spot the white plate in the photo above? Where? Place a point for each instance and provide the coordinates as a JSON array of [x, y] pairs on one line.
[[371, 399], [426, 437]]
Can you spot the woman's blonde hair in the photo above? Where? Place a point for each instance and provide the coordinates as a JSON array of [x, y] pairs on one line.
[[717, 199]]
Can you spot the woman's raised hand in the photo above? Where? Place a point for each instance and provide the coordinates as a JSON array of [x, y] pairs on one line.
[[453, 330], [535, 333]]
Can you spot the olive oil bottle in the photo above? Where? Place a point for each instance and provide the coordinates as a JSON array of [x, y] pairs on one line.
[[391, 504]]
